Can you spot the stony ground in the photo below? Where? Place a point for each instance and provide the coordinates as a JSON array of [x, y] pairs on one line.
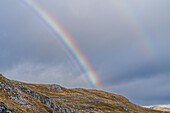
[[19, 97]]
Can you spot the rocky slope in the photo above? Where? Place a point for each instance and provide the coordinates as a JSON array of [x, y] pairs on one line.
[[19, 97]]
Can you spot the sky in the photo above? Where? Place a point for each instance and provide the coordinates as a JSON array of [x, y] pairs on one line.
[[125, 41]]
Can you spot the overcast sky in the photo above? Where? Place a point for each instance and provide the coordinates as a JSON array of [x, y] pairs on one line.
[[126, 42]]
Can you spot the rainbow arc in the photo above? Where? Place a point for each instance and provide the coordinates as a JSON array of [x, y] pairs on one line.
[[72, 49]]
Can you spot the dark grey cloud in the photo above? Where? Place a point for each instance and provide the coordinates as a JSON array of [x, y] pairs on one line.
[[146, 91], [126, 41]]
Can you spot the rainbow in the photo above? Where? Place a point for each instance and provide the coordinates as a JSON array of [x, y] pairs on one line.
[[138, 27], [72, 50]]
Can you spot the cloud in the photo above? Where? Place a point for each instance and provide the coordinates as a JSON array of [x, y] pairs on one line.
[[125, 41], [38, 73], [147, 91]]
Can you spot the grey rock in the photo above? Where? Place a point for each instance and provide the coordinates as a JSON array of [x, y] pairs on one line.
[[55, 87], [3, 109], [53, 106], [125, 108]]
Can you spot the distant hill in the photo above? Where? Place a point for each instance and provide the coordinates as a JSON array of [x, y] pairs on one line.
[[160, 108], [19, 97]]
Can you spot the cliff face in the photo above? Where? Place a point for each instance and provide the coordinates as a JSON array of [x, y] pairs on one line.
[[37, 98]]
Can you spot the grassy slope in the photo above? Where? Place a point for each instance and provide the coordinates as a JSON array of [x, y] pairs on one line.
[[40, 98]]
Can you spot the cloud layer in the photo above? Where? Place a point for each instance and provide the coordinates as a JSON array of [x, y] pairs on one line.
[[126, 42]]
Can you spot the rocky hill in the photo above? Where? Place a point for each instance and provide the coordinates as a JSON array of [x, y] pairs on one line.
[[19, 97]]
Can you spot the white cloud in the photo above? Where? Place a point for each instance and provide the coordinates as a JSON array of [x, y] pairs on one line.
[[163, 106]]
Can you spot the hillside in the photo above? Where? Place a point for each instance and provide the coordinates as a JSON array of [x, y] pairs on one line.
[[38, 98]]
